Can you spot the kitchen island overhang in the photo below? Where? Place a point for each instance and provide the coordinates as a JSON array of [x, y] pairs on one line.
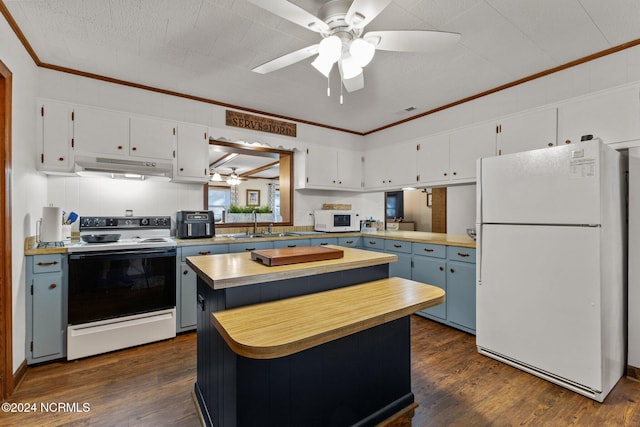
[[348, 371]]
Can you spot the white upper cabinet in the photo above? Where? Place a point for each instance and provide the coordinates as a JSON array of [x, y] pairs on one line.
[[432, 159], [468, 145], [390, 167], [192, 163], [152, 138], [528, 131], [612, 116], [54, 133], [331, 168], [99, 131]]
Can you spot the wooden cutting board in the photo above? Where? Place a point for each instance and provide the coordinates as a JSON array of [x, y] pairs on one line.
[[283, 256]]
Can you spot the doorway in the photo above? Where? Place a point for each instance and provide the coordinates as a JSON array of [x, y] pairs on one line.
[[6, 284]]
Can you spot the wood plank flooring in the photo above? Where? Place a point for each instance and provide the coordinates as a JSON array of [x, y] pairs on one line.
[[454, 386]]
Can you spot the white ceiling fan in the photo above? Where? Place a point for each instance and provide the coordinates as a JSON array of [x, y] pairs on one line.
[[341, 24]]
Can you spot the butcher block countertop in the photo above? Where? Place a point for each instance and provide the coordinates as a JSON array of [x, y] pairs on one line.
[[238, 269], [281, 328]]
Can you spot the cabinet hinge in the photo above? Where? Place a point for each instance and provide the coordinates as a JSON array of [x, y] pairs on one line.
[[42, 158], [174, 131], [500, 152], [174, 154], [73, 142], [307, 179], [31, 290], [42, 111], [417, 178], [307, 151], [73, 115], [205, 136], [497, 131], [418, 147], [31, 346], [412, 263]]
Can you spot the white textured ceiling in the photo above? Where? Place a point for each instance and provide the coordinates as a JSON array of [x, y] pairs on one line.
[[207, 48]]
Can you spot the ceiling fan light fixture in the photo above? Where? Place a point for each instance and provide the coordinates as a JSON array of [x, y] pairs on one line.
[[233, 178], [216, 177], [362, 52], [350, 68], [323, 66], [330, 49]]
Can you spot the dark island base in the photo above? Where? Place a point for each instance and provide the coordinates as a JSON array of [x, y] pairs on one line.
[[361, 379]]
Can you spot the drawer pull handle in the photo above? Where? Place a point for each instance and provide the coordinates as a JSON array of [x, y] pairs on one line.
[[323, 244], [397, 246], [47, 264], [53, 286], [372, 243], [349, 242], [250, 249], [428, 250], [204, 253], [291, 246], [463, 255]]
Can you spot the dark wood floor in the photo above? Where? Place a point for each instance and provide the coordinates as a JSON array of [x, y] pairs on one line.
[[453, 384]]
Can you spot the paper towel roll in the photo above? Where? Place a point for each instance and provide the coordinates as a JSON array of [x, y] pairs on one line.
[[51, 229]]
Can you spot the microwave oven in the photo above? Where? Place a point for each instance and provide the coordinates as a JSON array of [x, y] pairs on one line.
[[335, 221]]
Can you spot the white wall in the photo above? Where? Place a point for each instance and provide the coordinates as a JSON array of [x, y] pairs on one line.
[[461, 208], [28, 192]]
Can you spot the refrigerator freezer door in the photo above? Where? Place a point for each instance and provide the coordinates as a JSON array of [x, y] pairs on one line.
[[558, 185], [538, 299]]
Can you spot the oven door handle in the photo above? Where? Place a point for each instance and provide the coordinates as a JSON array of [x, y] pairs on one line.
[[165, 251]]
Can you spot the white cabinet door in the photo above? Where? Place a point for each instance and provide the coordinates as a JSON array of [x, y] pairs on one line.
[[612, 117], [192, 153], [321, 167], [375, 168], [349, 169], [432, 160], [401, 164], [55, 130], [468, 145], [100, 131], [527, 132], [152, 138]]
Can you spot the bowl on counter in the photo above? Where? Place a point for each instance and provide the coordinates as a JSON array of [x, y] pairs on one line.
[[471, 232]]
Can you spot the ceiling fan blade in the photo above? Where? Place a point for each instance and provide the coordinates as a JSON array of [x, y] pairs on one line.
[[362, 12], [412, 40], [293, 13], [286, 60], [356, 83]]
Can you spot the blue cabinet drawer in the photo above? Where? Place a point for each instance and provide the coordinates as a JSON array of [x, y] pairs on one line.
[[428, 249], [456, 253], [351, 242], [249, 246], [324, 241], [187, 251], [293, 243], [373, 242], [397, 246], [47, 263]]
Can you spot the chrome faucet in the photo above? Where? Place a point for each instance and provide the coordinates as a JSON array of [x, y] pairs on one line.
[[255, 222]]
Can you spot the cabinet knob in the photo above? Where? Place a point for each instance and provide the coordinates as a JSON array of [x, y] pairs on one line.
[[339, 182], [61, 159], [455, 173], [550, 144], [53, 286], [133, 148], [181, 169], [119, 147], [445, 174], [441, 268], [451, 270], [568, 141], [185, 272]]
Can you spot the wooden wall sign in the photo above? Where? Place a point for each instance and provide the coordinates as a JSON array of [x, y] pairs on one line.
[[259, 123]]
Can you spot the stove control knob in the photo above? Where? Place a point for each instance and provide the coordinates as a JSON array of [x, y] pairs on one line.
[[144, 221], [128, 222]]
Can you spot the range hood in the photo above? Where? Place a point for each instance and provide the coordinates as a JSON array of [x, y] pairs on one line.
[[124, 168]]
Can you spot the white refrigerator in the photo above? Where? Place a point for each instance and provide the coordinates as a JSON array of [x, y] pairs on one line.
[[551, 264]]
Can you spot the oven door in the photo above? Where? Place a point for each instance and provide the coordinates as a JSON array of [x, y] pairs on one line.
[[105, 285]]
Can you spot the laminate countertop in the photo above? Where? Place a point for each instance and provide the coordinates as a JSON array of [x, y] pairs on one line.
[[238, 269], [280, 328]]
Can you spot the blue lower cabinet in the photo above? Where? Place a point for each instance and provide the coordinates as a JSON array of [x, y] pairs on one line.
[[432, 271], [402, 267], [461, 294], [186, 284], [46, 308]]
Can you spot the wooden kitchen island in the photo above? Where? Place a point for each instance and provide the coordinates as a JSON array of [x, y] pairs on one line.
[[323, 343]]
